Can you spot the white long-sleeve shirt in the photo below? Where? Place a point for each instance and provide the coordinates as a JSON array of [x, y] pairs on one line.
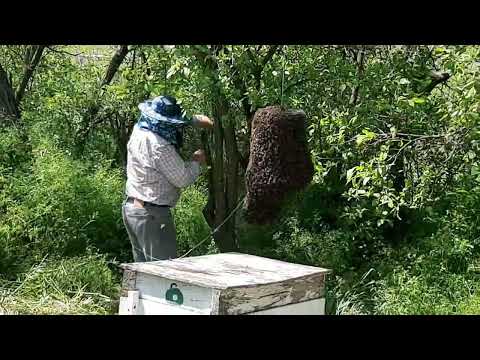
[[155, 171]]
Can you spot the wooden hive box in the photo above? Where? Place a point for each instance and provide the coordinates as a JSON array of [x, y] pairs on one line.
[[222, 284]]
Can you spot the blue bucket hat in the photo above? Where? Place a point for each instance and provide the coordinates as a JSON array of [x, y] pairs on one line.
[[164, 109]]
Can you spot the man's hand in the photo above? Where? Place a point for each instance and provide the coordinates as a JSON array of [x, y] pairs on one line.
[[199, 156], [204, 121]]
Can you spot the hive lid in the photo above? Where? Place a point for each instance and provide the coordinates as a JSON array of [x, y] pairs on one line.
[[226, 270]]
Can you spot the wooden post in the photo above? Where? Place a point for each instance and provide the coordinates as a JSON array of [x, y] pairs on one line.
[[130, 307]]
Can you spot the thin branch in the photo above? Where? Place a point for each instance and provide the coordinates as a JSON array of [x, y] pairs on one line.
[[90, 117], [62, 51], [115, 63], [360, 58], [422, 136], [273, 49], [252, 58], [296, 83]]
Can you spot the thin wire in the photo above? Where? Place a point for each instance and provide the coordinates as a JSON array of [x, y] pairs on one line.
[[216, 229], [165, 85], [283, 78]]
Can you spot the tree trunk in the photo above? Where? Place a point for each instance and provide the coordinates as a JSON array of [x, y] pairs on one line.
[[209, 209], [223, 153], [8, 105], [9, 99], [114, 65], [218, 175], [32, 59], [231, 174], [223, 159]]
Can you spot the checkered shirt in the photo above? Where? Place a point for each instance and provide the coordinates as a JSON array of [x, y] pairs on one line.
[[155, 171]]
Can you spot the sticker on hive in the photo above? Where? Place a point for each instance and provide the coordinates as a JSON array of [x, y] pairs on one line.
[[174, 294]]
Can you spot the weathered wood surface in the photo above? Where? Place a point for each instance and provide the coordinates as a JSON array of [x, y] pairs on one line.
[[225, 284], [222, 271], [312, 307], [128, 282], [241, 300], [215, 308], [151, 307]]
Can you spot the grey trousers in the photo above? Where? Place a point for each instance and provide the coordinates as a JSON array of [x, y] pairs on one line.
[[151, 231]]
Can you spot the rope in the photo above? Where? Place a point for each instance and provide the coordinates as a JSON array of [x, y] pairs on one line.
[[203, 240], [216, 229], [283, 78]]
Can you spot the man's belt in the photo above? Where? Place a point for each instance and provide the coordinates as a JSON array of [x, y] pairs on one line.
[[143, 203]]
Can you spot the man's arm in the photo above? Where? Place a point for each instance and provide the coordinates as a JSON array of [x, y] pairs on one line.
[[202, 121], [178, 172]]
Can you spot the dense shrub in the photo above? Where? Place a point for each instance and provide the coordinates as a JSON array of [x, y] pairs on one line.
[[61, 207], [190, 224]]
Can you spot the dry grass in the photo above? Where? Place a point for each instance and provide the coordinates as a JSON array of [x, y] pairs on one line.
[[75, 286]]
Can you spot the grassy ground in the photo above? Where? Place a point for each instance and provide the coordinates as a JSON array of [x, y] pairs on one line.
[[90, 283]]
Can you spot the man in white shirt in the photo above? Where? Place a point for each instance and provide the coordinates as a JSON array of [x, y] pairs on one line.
[[155, 175]]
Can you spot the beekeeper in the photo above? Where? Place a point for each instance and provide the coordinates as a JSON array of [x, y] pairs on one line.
[[155, 175]]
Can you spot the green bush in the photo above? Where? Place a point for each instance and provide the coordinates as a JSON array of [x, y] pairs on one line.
[[470, 306], [406, 294], [434, 275], [62, 207], [190, 224], [15, 150]]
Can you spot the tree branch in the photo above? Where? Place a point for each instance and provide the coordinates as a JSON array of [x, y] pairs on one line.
[[90, 117], [296, 83], [252, 58], [30, 66], [115, 63], [360, 57], [49, 48], [273, 49], [436, 77]]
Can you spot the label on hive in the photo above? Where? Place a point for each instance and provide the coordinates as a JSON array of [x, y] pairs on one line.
[[174, 293]]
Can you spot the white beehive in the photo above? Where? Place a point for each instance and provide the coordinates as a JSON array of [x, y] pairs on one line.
[[222, 284]]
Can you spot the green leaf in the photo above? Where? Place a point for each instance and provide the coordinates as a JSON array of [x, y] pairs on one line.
[[404, 81], [417, 100], [471, 93], [350, 174], [393, 131], [366, 137]]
